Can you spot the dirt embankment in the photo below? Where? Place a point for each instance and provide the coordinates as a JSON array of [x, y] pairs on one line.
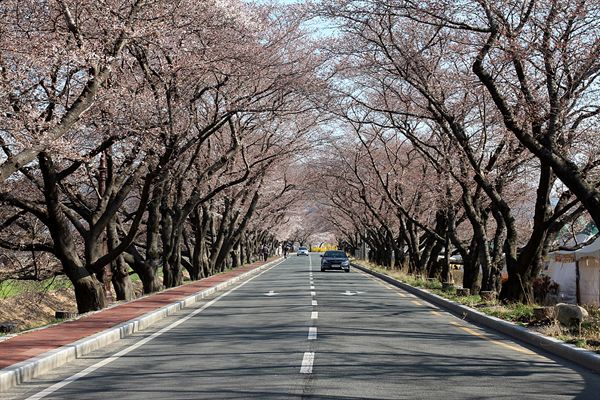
[[31, 310]]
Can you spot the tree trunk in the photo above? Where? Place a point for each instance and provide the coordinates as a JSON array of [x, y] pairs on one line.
[[150, 280], [89, 294], [147, 268], [121, 280], [236, 256], [119, 268], [528, 264]]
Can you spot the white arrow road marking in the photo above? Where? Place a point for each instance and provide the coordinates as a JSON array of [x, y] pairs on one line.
[[271, 293], [312, 333], [349, 293], [307, 363]]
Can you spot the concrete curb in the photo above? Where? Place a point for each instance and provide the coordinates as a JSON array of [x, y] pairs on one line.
[[36, 366], [557, 347]]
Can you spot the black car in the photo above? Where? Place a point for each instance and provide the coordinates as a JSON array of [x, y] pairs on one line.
[[335, 259]]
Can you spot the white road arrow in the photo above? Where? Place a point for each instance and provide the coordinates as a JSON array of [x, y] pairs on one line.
[[271, 293], [349, 293]]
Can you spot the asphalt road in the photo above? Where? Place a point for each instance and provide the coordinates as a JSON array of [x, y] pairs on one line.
[[293, 333]]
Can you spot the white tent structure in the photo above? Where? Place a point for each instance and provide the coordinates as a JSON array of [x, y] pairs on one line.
[[577, 272]]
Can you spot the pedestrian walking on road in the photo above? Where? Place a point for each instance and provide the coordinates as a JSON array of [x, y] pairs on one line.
[[285, 250]]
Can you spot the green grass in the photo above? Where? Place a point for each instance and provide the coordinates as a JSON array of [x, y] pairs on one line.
[[518, 313], [12, 287], [134, 277]]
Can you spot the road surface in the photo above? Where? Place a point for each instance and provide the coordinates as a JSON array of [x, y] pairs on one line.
[[294, 332]]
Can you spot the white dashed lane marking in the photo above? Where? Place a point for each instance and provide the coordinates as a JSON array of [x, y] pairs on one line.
[[309, 356], [307, 363]]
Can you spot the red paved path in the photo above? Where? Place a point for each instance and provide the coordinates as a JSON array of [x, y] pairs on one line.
[[32, 344]]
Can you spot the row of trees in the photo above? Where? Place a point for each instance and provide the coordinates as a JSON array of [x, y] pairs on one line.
[[168, 135], [473, 129], [149, 135]]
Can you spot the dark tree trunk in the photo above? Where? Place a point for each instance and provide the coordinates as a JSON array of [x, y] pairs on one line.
[[119, 268], [121, 280], [524, 268], [150, 280], [89, 294], [236, 258], [148, 268], [171, 247]]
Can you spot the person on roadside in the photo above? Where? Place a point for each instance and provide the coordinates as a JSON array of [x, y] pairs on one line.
[[265, 252], [285, 250]]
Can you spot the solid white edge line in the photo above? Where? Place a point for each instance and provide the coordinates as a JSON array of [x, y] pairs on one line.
[[100, 364], [312, 333], [307, 363]]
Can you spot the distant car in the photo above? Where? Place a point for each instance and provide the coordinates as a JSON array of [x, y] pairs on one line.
[[302, 251], [335, 259]]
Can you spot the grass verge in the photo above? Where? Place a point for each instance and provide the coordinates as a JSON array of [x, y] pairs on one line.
[[14, 287]]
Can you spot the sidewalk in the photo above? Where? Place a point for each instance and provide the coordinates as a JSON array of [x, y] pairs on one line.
[[124, 319]]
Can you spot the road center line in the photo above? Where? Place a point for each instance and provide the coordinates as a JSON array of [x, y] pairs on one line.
[[314, 315], [313, 294], [314, 303], [312, 287], [116, 356], [312, 333]]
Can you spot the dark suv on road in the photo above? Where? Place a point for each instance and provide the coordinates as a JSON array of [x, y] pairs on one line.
[[335, 259]]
